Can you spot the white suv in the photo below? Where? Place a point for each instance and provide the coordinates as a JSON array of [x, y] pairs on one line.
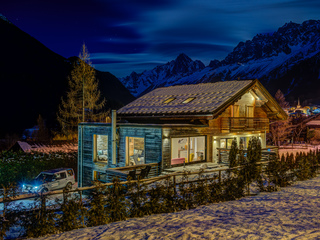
[[51, 180]]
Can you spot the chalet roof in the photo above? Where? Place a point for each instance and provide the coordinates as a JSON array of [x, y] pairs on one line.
[[204, 98]]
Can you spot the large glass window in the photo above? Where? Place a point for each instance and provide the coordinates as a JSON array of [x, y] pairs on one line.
[[101, 148], [188, 148], [226, 143], [135, 151], [179, 148]]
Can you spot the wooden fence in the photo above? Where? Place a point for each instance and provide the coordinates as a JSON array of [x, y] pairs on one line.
[[217, 175]]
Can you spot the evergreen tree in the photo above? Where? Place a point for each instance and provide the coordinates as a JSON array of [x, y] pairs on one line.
[[83, 102], [253, 171], [233, 161]]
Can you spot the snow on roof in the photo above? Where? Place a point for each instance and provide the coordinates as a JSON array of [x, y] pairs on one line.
[[25, 146], [314, 123], [208, 97], [47, 148]]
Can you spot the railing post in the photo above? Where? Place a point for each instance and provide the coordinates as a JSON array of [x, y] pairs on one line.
[[174, 184]]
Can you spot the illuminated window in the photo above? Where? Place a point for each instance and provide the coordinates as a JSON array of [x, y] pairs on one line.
[[169, 100], [100, 148], [135, 151], [226, 143], [99, 176], [188, 100], [189, 148]]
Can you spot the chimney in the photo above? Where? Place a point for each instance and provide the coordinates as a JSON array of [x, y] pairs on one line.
[[113, 135]]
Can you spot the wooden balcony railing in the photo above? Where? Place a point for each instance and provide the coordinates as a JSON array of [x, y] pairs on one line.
[[266, 154], [239, 124]]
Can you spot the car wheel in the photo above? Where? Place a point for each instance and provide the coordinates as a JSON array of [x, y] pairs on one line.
[[69, 186], [44, 190]]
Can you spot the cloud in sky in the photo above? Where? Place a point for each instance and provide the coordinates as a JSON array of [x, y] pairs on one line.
[[125, 35]]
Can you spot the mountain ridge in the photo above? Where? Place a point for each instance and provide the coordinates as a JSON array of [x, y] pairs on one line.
[[267, 57], [34, 78]]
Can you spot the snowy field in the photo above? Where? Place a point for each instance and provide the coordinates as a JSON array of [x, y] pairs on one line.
[[298, 149], [292, 213]]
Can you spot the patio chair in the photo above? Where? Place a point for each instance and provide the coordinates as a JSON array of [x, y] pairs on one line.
[[148, 170], [132, 174], [144, 172]]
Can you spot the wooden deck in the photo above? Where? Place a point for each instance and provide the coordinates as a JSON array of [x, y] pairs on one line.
[[122, 172]]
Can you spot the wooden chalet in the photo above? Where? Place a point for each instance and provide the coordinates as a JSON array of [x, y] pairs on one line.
[[177, 125]]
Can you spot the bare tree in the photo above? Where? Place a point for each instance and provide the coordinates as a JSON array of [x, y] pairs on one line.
[[279, 131], [281, 99]]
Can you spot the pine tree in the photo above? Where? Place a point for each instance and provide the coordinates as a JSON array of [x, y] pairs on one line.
[[233, 161], [83, 102]]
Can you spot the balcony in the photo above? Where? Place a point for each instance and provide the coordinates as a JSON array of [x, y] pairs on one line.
[[241, 124]]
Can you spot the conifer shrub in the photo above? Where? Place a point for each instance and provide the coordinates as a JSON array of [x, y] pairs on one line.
[[97, 213], [41, 220], [72, 212], [156, 196], [277, 173], [215, 190], [253, 156], [137, 195], [8, 217], [233, 160], [116, 207], [303, 168], [170, 200], [186, 188], [201, 191]]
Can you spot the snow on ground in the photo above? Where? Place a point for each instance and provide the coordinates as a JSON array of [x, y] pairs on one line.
[[292, 213], [297, 149]]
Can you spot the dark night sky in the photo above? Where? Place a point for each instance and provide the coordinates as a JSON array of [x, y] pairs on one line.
[[124, 36]]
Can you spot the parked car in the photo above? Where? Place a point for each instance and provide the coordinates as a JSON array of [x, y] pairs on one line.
[[51, 180]]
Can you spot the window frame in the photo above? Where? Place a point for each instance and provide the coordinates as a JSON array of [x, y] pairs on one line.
[[187, 161], [95, 148], [98, 173], [127, 149], [169, 100], [188, 100]]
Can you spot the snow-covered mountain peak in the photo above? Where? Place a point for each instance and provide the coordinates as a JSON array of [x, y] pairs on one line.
[[161, 75], [283, 54], [183, 58]]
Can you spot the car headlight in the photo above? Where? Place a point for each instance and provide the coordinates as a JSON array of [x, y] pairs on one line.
[[35, 187], [23, 186]]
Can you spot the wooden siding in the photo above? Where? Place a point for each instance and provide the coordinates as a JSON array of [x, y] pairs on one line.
[[152, 143], [85, 151], [175, 132], [86, 165]]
